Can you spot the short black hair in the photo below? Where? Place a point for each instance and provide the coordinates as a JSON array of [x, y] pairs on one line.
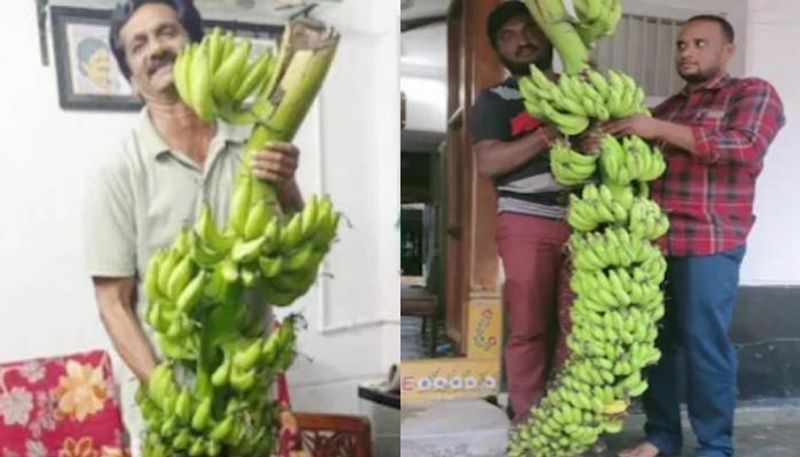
[[502, 14], [727, 28], [188, 16]]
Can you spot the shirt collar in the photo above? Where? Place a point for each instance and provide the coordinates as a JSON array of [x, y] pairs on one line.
[[715, 84], [154, 145]]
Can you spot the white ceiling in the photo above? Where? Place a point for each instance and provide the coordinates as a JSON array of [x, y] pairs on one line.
[[417, 9], [424, 47]]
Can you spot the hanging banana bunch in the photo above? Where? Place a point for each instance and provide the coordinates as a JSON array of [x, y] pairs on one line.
[[197, 288], [596, 19], [575, 100], [618, 270]]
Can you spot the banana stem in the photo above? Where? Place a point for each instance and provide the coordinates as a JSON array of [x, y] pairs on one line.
[[554, 20], [204, 366], [305, 58]]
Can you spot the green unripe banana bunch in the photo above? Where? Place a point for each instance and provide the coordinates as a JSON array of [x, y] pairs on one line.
[[216, 76], [211, 395], [597, 19], [570, 167], [575, 100], [234, 415], [618, 269]]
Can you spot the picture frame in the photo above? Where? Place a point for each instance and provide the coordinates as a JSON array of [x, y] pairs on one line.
[[87, 74]]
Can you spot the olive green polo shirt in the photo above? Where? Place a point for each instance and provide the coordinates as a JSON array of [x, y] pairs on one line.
[[142, 194]]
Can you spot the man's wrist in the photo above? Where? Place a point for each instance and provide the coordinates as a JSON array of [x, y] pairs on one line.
[[661, 129], [289, 196], [539, 142]]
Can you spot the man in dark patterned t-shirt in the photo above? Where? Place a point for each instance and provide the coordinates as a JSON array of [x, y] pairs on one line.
[[512, 148], [715, 133]]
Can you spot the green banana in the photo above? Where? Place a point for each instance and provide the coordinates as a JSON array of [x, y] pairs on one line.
[[257, 220], [206, 230], [202, 415], [224, 79], [247, 358], [255, 76], [247, 251], [200, 95], [192, 293]]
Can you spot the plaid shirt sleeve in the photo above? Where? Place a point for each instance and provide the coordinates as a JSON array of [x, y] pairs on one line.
[[753, 118]]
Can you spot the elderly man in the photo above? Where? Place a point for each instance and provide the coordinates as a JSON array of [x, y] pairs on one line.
[[157, 179]]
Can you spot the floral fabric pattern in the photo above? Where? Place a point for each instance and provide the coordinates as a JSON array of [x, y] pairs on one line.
[[61, 407], [82, 392], [16, 406]]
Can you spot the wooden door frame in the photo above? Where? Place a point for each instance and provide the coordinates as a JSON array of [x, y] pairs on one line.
[[471, 216]]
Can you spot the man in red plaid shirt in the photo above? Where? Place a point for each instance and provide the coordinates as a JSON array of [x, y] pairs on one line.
[[714, 134]]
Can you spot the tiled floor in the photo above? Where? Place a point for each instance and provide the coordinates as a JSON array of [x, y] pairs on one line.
[[763, 429]]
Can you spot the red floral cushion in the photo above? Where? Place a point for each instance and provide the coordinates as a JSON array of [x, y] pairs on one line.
[[61, 407]]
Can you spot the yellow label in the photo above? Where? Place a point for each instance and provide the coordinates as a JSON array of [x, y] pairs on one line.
[[485, 334], [441, 379]]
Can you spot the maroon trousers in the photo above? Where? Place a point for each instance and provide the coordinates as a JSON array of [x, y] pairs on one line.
[[537, 297]]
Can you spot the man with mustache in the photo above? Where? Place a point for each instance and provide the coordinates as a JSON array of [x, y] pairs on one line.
[[151, 186], [512, 148], [715, 133]]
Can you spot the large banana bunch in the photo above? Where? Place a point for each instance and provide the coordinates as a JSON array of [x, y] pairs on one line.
[[618, 270], [231, 415], [571, 102], [597, 19], [200, 288]]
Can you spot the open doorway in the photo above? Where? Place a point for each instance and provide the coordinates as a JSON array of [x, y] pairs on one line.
[[423, 80]]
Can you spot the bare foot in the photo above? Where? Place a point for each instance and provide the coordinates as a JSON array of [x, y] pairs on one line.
[[643, 449]]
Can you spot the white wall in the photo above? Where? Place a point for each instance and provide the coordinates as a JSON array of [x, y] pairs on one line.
[[774, 248], [349, 145], [423, 77]]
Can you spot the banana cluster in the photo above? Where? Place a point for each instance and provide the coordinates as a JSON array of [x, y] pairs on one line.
[[648, 220], [617, 279], [597, 19], [230, 415], [570, 167], [595, 251], [200, 288], [613, 334], [280, 260], [215, 77], [618, 270], [205, 271], [620, 287], [575, 100], [631, 159], [597, 206]]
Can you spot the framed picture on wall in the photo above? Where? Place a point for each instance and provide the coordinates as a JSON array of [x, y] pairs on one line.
[[87, 72], [88, 75]]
